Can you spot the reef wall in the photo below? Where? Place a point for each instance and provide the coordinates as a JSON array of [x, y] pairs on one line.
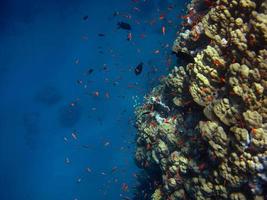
[[204, 128]]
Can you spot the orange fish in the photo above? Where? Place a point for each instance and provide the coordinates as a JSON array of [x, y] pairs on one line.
[[163, 29], [166, 121], [67, 160], [146, 164], [136, 9], [96, 93], [201, 166], [124, 187], [153, 124], [148, 146], [156, 51], [106, 144], [74, 135], [77, 61], [129, 36], [72, 104], [65, 139], [142, 36], [107, 95], [88, 170]]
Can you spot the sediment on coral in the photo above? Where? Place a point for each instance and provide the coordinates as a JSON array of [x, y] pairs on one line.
[[205, 126]]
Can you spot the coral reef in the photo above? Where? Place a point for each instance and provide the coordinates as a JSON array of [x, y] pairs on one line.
[[205, 126]]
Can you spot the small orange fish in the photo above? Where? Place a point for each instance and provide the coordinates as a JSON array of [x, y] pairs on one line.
[[217, 62], [88, 170], [163, 29], [67, 160], [72, 104], [153, 124], [65, 139], [77, 61], [124, 187], [106, 144], [79, 180], [129, 36], [166, 121], [148, 146], [136, 9], [107, 95], [142, 36], [96, 93], [146, 164], [201, 166], [156, 51], [74, 135]]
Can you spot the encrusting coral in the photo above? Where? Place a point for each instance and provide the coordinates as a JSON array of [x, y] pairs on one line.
[[205, 126]]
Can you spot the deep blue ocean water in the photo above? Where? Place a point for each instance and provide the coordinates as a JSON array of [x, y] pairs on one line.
[[66, 133]]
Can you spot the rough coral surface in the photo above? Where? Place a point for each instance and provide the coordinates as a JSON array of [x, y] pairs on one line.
[[205, 126]]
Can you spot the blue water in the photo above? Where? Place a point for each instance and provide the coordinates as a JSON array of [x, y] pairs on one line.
[[47, 93]]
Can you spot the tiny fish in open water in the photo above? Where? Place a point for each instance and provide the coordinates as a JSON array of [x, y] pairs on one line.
[[85, 17], [138, 69]]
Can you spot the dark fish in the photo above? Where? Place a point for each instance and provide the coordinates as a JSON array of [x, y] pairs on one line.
[[138, 69], [123, 25], [90, 71], [101, 34], [85, 17]]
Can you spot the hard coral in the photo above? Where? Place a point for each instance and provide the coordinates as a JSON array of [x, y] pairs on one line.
[[205, 126]]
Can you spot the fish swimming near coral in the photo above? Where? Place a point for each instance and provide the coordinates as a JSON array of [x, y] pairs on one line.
[[123, 25], [138, 69]]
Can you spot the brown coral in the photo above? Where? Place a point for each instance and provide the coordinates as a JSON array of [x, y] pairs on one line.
[[209, 118]]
